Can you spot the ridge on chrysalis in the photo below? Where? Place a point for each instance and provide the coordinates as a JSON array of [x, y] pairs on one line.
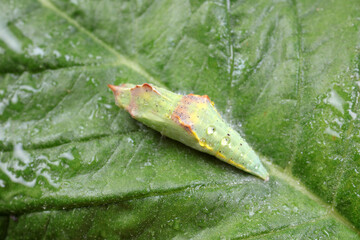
[[190, 119]]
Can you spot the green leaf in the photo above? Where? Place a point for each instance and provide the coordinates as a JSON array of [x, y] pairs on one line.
[[283, 73]]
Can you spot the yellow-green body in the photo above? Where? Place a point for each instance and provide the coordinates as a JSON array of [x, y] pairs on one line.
[[190, 119]]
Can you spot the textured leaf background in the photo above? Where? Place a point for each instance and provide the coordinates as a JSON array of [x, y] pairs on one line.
[[284, 73]]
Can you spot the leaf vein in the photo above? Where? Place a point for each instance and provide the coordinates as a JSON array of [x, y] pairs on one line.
[[121, 59]]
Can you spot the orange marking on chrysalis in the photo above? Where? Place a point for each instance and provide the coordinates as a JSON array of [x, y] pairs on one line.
[[113, 88], [137, 92], [145, 86], [202, 96], [178, 120], [188, 128], [182, 113]]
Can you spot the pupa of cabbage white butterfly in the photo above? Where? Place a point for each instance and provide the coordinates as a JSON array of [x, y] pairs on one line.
[[192, 120]]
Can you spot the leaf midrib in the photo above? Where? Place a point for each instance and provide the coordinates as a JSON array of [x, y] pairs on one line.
[[296, 184], [121, 59]]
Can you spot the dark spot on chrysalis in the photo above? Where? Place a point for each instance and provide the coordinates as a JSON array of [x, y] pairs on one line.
[[240, 144], [228, 134]]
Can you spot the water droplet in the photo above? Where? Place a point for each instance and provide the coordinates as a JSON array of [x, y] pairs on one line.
[[21, 154], [2, 183], [9, 38], [336, 101], [67, 155], [202, 142], [36, 51], [210, 130], [225, 141], [332, 132]]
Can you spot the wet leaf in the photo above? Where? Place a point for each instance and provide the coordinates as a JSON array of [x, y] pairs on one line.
[[284, 74]]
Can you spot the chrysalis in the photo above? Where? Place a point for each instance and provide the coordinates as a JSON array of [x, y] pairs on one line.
[[192, 120]]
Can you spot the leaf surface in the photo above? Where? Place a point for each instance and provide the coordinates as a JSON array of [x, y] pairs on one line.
[[283, 73]]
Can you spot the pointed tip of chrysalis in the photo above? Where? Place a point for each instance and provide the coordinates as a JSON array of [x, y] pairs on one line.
[[113, 87], [261, 172], [263, 176]]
